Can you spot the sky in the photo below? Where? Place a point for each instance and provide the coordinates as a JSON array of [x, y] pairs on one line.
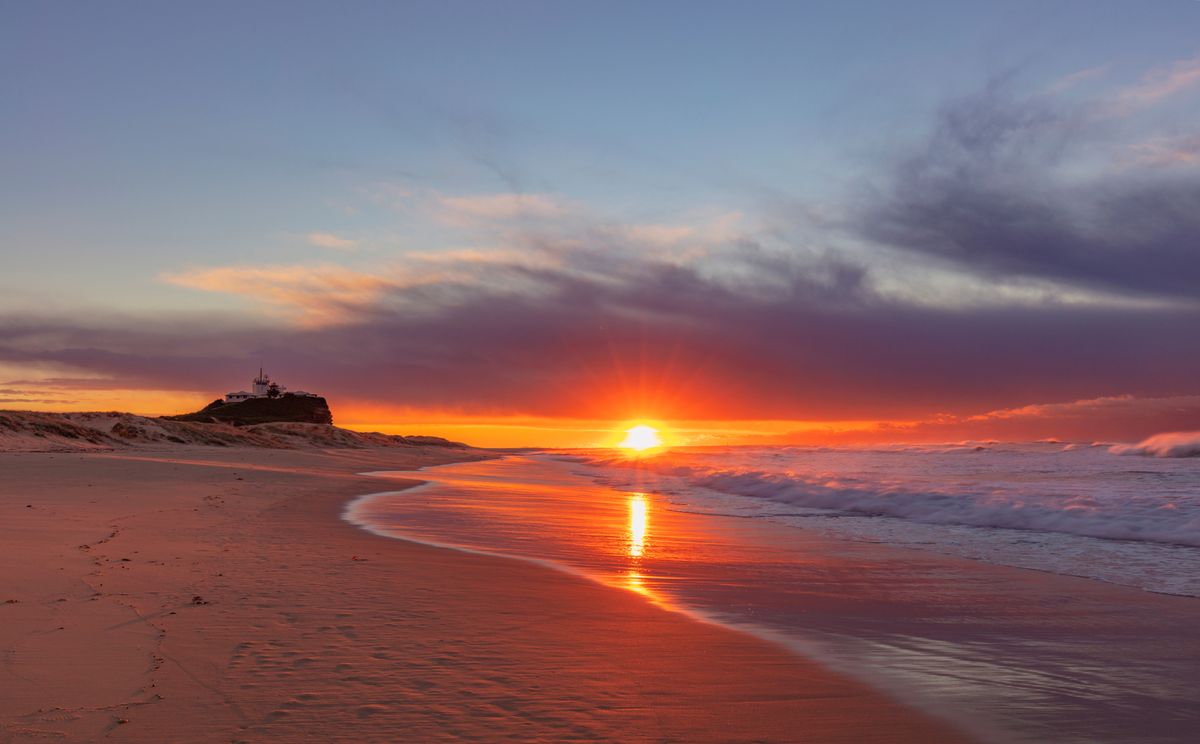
[[532, 223]]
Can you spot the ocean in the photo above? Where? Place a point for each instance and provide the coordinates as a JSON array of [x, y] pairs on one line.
[[1028, 592], [1075, 509]]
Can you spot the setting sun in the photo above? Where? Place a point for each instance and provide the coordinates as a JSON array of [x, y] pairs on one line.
[[641, 437]]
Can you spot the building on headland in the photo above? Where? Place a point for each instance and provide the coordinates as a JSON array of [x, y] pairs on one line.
[[263, 387]]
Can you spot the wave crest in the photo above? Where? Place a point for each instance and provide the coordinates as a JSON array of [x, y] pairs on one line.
[[1169, 444], [1151, 521]]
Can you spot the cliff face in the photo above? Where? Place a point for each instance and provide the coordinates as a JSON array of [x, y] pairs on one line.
[[287, 408]]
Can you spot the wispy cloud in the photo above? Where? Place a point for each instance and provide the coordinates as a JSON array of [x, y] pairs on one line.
[[1104, 405], [1111, 417], [502, 207], [46, 385], [1074, 79], [329, 240], [311, 295], [1164, 152], [1157, 86]]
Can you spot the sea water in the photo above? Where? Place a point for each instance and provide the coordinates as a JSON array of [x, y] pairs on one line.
[[854, 557], [1074, 509]]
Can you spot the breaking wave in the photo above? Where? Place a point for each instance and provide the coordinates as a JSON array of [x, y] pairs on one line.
[[1148, 520], [1081, 491], [1171, 444]]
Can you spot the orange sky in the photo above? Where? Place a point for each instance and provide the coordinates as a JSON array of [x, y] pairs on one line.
[[539, 432], [1116, 418]]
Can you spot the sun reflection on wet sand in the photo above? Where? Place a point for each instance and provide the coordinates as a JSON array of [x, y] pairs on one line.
[[637, 541], [637, 525], [633, 582]]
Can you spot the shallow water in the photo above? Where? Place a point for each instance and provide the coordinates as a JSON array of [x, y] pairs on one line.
[[1011, 655], [1069, 509]]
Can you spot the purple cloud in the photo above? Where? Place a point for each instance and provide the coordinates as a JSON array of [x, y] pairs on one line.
[[1013, 188], [663, 336]]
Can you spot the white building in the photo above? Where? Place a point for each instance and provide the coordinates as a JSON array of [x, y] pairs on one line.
[[262, 387]]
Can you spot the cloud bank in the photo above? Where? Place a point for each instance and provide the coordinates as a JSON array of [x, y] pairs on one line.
[[580, 334]]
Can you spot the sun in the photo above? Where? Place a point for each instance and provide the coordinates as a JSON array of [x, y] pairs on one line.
[[641, 437]]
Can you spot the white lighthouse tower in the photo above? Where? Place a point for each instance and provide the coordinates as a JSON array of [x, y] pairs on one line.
[[262, 384]]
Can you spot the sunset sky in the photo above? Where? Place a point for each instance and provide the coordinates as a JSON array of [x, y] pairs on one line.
[[532, 223]]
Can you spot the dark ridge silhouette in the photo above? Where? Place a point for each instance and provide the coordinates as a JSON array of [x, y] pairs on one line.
[[286, 408], [33, 431]]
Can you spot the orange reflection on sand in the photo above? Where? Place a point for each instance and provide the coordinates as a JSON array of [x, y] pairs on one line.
[[637, 525]]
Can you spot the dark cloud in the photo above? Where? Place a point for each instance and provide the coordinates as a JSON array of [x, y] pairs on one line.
[[663, 338], [1001, 187]]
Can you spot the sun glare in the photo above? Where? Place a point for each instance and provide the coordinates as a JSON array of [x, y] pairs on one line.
[[637, 525], [641, 437]]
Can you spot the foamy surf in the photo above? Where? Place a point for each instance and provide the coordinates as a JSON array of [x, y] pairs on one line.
[[1078, 511]]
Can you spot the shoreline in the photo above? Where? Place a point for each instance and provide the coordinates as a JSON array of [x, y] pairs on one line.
[[200, 595], [961, 639]]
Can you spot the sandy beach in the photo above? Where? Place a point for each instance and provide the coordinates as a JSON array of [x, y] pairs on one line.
[[203, 594]]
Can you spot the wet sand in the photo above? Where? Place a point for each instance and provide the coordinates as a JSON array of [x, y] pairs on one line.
[[215, 595]]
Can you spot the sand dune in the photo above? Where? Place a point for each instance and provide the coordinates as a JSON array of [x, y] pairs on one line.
[[29, 431]]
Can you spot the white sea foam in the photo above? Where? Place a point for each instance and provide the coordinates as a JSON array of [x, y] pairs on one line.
[[1045, 500], [1170, 444]]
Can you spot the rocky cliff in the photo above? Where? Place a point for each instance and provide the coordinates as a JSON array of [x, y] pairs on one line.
[[287, 408]]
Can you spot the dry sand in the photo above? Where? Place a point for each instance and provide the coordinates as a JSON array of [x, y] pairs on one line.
[[198, 594]]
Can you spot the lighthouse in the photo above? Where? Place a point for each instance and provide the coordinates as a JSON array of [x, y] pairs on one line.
[[262, 384], [262, 387]]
